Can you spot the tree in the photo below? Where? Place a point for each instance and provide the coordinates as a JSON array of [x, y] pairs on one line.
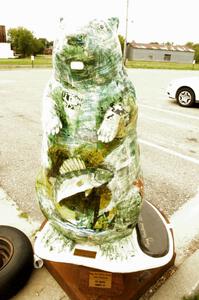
[[22, 40], [122, 40], [169, 43], [195, 47], [189, 44], [38, 46]]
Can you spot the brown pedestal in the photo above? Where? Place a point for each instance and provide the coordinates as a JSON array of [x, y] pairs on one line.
[[82, 283]]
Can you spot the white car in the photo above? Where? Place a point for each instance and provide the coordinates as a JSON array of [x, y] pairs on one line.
[[184, 90]]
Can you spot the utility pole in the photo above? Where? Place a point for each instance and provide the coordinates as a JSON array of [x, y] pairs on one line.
[[126, 32]]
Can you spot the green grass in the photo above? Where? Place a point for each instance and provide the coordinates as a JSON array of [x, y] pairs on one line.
[[45, 61], [160, 65], [40, 61], [196, 297]]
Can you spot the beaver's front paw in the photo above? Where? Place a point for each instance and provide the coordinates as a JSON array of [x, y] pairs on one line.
[[109, 128], [53, 126]]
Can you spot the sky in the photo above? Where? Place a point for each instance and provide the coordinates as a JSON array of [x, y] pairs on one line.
[[148, 20]]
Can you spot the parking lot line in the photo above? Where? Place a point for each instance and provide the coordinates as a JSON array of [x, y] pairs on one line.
[[169, 151], [169, 111], [173, 123]]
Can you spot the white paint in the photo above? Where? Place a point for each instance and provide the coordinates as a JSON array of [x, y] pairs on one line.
[[169, 112], [169, 151], [77, 65]]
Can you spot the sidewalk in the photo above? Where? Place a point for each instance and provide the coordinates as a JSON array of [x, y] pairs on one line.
[[41, 285], [184, 282]]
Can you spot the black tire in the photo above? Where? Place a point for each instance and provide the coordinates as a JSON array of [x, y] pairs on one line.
[[185, 96], [16, 261]]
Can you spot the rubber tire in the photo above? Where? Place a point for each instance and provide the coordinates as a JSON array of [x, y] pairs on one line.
[[16, 272], [186, 89]]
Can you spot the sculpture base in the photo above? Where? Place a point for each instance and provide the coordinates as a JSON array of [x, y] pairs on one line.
[[85, 275], [82, 283], [150, 246]]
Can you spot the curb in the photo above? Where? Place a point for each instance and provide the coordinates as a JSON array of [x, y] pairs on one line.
[[184, 282]]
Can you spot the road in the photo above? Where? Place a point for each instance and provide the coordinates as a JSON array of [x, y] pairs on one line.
[[168, 136]]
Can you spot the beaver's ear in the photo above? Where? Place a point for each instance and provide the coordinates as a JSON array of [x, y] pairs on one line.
[[61, 25], [114, 23], [60, 35]]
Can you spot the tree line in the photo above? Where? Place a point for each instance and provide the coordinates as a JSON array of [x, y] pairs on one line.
[[24, 43], [195, 47]]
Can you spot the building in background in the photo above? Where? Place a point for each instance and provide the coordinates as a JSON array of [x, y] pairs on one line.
[[2, 34], [5, 48], [159, 52]]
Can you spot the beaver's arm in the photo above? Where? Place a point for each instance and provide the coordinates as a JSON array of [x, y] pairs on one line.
[[110, 124], [51, 124], [50, 120]]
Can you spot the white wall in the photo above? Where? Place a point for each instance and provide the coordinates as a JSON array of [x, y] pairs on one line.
[[158, 55], [5, 51]]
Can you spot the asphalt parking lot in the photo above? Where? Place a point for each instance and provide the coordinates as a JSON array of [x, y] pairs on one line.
[[168, 136]]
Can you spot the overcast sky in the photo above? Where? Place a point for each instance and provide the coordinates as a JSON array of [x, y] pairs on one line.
[[149, 20]]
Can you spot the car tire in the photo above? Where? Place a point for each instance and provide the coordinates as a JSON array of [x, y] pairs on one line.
[[16, 261], [185, 96]]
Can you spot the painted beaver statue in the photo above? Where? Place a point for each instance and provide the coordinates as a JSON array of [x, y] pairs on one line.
[[90, 187]]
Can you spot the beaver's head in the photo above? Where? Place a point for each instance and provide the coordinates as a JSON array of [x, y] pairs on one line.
[[90, 56]]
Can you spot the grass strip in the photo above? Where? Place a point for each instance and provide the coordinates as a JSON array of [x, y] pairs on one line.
[[45, 61], [160, 65]]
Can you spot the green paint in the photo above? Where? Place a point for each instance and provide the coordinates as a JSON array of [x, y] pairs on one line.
[[24, 215]]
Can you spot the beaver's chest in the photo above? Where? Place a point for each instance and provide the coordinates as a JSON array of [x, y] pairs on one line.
[[83, 119]]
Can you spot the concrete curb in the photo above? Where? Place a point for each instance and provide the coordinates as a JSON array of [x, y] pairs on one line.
[[184, 282]]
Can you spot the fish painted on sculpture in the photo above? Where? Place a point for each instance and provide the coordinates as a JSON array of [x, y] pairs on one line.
[[73, 181]]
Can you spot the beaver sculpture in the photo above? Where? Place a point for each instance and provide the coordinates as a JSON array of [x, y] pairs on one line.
[[90, 187]]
